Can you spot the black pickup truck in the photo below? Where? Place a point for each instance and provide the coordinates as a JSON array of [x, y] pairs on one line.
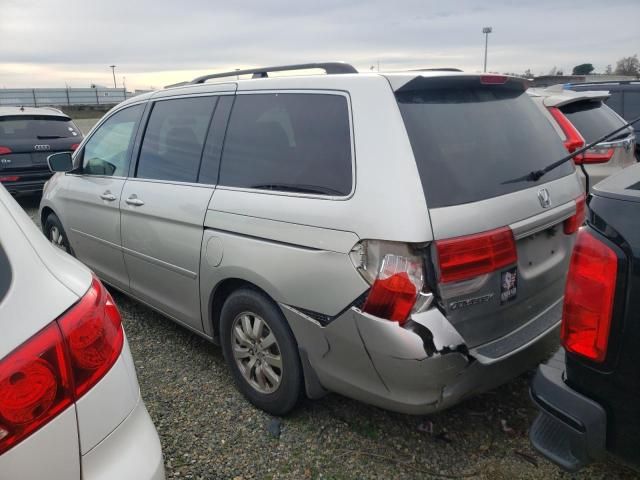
[[588, 394]]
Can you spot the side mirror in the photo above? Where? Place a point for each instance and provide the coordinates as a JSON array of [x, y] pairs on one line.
[[60, 162]]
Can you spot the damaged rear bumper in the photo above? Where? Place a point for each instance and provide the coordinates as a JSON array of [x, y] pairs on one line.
[[420, 368]]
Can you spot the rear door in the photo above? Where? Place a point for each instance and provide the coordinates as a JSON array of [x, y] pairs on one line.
[[89, 197], [474, 143], [163, 205]]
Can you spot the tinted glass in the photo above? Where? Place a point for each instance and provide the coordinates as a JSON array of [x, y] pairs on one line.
[[632, 106], [173, 139], [289, 142], [593, 119], [108, 150], [213, 145], [37, 127], [615, 102], [468, 141]]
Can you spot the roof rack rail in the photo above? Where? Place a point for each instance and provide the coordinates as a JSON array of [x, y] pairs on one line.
[[436, 69], [331, 68]]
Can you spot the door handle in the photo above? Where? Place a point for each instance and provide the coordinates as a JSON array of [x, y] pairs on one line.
[[108, 196], [134, 200]]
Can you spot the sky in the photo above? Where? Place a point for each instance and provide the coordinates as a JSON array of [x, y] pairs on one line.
[[153, 43]]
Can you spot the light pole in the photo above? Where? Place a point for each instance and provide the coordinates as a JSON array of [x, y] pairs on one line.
[[113, 71], [486, 31]]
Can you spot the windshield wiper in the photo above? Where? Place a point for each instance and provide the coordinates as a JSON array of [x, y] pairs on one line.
[[283, 187], [43, 137], [536, 175]]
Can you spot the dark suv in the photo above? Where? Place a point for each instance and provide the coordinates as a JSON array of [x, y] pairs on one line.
[[27, 137], [589, 392], [624, 99]]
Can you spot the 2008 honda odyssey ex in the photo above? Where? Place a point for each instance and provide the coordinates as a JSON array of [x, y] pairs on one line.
[[366, 234]]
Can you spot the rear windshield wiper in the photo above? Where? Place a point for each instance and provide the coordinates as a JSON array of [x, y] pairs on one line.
[[536, 175], [283, 187], [43, 137]]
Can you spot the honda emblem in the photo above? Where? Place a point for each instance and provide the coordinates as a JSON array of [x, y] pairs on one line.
[[544, 197]]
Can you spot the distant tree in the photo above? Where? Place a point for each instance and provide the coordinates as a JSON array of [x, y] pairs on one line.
[[608, 70], [560, 72], [553, 71], [528, 73], [583, 69], [628, 66]]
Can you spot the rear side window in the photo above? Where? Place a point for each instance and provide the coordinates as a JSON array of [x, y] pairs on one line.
[[174, 137], [470, 141], [292, 142], [37, 127], [593, 119], [632, 105]]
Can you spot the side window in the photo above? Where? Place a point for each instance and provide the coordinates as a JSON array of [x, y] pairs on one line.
[[296, 142], [615, 102], [174, 137], [631, 105], [108, 150]]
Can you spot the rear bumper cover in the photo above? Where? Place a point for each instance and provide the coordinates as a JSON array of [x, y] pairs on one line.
[[131, 452], [30, 181], [418, 369], [570, 429]]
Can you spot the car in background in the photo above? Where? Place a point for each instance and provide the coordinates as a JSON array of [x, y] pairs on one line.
[[70, 405], [581, 118], [624, 99], [589, 393], [27, 136], [368, 234]]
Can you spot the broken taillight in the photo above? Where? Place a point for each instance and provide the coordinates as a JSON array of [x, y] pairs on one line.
[[396, 276]]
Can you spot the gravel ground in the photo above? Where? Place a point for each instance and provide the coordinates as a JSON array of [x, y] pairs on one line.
[[208, 430]]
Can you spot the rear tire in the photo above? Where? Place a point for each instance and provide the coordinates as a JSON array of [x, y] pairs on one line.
[[54, 231], [261, 351]]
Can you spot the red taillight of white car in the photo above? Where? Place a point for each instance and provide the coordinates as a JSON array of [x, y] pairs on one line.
[[589, 296], [396, 275], [573, 223], [58, 365], [573, 140]]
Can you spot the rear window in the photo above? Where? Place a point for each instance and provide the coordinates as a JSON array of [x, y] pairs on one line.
[[471, 140], [593, 119], [36, 127], [291, 142]]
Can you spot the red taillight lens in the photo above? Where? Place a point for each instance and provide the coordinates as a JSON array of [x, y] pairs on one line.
[[4, 150], [57, 366], [394, 291], [75, 146], [35, 386], [9, 178], [94, 336], [573, 223], [574, 140], [588, 300], [595, 155], [466, 257], [493, 79]]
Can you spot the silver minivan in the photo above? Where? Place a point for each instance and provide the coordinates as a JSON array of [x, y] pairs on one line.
[[374, 235]]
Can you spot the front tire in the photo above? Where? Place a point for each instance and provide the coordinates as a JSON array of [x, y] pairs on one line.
[[54, 231], [261, 351]]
